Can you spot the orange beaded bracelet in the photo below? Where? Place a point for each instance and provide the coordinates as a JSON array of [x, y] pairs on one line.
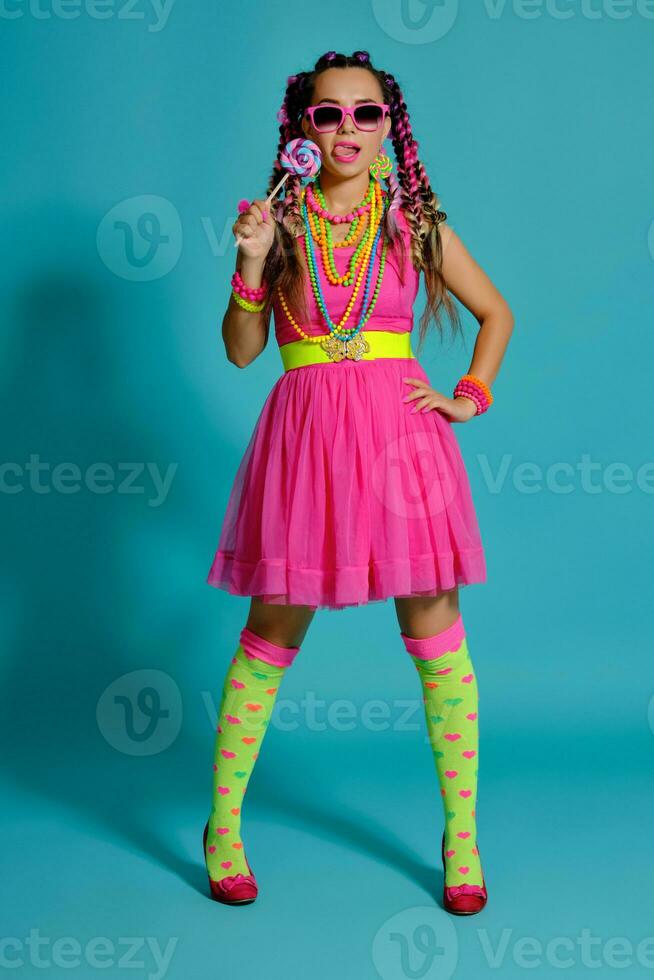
[[474, 388]]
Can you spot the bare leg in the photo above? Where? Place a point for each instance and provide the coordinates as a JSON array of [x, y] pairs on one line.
[[420, 616], [284, 625]]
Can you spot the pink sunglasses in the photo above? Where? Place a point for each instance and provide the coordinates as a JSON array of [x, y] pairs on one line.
[[327, 118]]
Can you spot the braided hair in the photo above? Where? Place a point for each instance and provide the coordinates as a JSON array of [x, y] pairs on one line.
[[409, 189]]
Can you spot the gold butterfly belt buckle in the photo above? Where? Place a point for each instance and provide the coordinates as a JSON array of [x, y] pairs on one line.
[[352, 349]]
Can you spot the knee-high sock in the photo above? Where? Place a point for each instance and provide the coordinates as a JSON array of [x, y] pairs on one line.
[[451, 710], [249, 693]]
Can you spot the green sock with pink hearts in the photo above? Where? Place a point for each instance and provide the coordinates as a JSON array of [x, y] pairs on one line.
[[450, 697], [248, 696]]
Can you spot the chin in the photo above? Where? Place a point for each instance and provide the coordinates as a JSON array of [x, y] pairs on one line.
[[345, 169]]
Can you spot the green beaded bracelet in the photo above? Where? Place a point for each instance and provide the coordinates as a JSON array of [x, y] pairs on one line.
[[246, 304]]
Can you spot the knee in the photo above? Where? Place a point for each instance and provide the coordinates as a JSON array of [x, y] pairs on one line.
[[424, 616], [258, 646]]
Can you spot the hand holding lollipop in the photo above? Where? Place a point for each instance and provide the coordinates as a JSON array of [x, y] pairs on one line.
[[300, 156]]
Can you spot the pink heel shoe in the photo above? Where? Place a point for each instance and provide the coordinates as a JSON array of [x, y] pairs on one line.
[[234, 889], [463, 899]]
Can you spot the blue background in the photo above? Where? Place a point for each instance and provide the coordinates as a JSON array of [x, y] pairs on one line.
[[535, 129]]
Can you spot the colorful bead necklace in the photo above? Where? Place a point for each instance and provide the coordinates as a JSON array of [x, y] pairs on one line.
[[323, 237], [318, 204], [366, 267], [319, 233], [315, 284], [337, 340]]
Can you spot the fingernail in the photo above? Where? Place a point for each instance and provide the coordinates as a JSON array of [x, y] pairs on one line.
[[265, 215], [413, 410], [426, 408]]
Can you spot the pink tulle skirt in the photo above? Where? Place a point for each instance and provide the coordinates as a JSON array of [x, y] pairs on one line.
[[343, 497]]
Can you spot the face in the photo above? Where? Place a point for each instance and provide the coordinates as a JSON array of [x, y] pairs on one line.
[[347, 87]]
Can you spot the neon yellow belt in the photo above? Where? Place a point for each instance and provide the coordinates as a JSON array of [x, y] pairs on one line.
[[365, 346]]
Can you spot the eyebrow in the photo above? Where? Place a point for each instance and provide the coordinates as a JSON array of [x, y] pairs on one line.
[[336, 101]]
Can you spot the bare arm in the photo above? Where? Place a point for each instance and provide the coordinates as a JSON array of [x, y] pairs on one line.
[[466, 280], [245, 333]]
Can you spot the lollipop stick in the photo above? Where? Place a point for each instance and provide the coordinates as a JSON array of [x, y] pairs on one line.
[[280, 184], [269, 199]]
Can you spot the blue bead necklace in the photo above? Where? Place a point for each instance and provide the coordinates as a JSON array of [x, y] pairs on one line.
[[346, 334]]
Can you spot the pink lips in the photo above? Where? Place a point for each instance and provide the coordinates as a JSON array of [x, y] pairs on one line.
[[346, 157]]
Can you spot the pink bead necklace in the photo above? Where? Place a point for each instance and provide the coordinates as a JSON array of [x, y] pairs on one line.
[[338, 219]]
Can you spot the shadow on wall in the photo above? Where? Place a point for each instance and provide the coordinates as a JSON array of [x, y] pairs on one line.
[[97, 584]]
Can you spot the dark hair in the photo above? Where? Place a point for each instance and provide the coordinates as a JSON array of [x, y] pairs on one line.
[[409, 190]]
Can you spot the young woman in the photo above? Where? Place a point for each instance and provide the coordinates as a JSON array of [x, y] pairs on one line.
[[352, 488]]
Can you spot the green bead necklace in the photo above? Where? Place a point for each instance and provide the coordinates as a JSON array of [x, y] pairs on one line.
[[328, 252]]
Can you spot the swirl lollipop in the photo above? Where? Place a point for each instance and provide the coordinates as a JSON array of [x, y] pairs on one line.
[[381, 166], [299, 156]]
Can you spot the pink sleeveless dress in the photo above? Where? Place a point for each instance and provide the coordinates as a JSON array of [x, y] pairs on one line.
[[343, 497]]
